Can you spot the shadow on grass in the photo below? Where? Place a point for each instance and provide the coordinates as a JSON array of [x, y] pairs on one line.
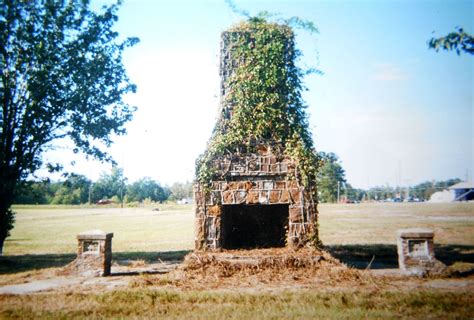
[[28, 262], [384, 256], [379, 256]]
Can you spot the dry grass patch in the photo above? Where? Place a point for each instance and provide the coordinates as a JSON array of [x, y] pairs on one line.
[[286, 304], [249, 268]]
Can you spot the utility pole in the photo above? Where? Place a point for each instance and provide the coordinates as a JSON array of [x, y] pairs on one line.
[[338, 190], [121, 189], [90, 193]]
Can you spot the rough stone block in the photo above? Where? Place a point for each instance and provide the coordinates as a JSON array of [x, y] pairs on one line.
[[238, 168], [248, 185], [295, 195], [216, 197], [228, 197], [200, 212], [268, 185], [285, 197], [280, 185], [199, 229], [253, 197], [292, 184], [263, 197], [198, 198], [214, 210], [274, 196], [232, 186], [295, 213], [240, 196]]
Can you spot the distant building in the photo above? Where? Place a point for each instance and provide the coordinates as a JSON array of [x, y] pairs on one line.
[[463, 191], [185, 201]]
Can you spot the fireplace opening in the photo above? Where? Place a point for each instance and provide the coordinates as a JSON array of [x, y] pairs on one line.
[[254, 226]]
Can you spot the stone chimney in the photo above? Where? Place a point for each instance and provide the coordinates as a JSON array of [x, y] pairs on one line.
[[256, 199]]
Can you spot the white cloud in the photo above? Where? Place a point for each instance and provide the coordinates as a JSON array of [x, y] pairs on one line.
[[388, 72]]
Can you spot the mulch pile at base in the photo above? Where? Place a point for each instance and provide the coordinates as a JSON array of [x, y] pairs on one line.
[[86, 266], [264, 266]]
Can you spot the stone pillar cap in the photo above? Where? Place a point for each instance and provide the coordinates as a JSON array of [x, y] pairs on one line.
[[416, 233], [94, 235]]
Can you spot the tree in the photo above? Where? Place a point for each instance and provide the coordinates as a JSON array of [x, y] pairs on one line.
[[354, 194], [458, 40], [146, 188], [110, 185], [181, 190], [35, 192], [330, 175], [425, 189], [62, 77], [74, 190]]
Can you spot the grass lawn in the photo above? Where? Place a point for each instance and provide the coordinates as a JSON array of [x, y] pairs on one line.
[[53, 229], [300, 304], [357, 234], [377, 223]]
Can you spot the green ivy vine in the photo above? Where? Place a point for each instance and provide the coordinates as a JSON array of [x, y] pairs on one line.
[[264, 93]]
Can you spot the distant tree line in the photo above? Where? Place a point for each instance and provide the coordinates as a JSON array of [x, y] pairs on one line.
[[333, 186], [113, 186]]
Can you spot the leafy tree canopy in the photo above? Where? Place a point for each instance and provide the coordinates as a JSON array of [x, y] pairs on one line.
[[179, 190], [146, 188], [459, 40], [330, 176], [74, 190], [109, 185], [62, 77]]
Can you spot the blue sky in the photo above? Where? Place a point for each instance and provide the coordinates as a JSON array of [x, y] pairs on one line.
[[394, 112]]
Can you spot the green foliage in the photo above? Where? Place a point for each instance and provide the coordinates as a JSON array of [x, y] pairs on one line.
[[35, 192], [264, 93], [330, 174], [459, 40], [180, 190], [146, 188], [74, 190], [62, 77], [353, 194], [109, 185], [422, 191]]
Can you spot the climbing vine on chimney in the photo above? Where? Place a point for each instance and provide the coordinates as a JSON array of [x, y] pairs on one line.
[[262, 102]]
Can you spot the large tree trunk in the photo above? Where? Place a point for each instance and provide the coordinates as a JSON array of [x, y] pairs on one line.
[[2, 240], [7, 216]]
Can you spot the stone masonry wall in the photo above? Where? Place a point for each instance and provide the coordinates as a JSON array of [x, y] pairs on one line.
[[254, 180]]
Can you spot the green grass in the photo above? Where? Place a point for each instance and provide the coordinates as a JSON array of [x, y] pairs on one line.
[[44, 236], [377, 223], [301, 304], [50, 229]]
